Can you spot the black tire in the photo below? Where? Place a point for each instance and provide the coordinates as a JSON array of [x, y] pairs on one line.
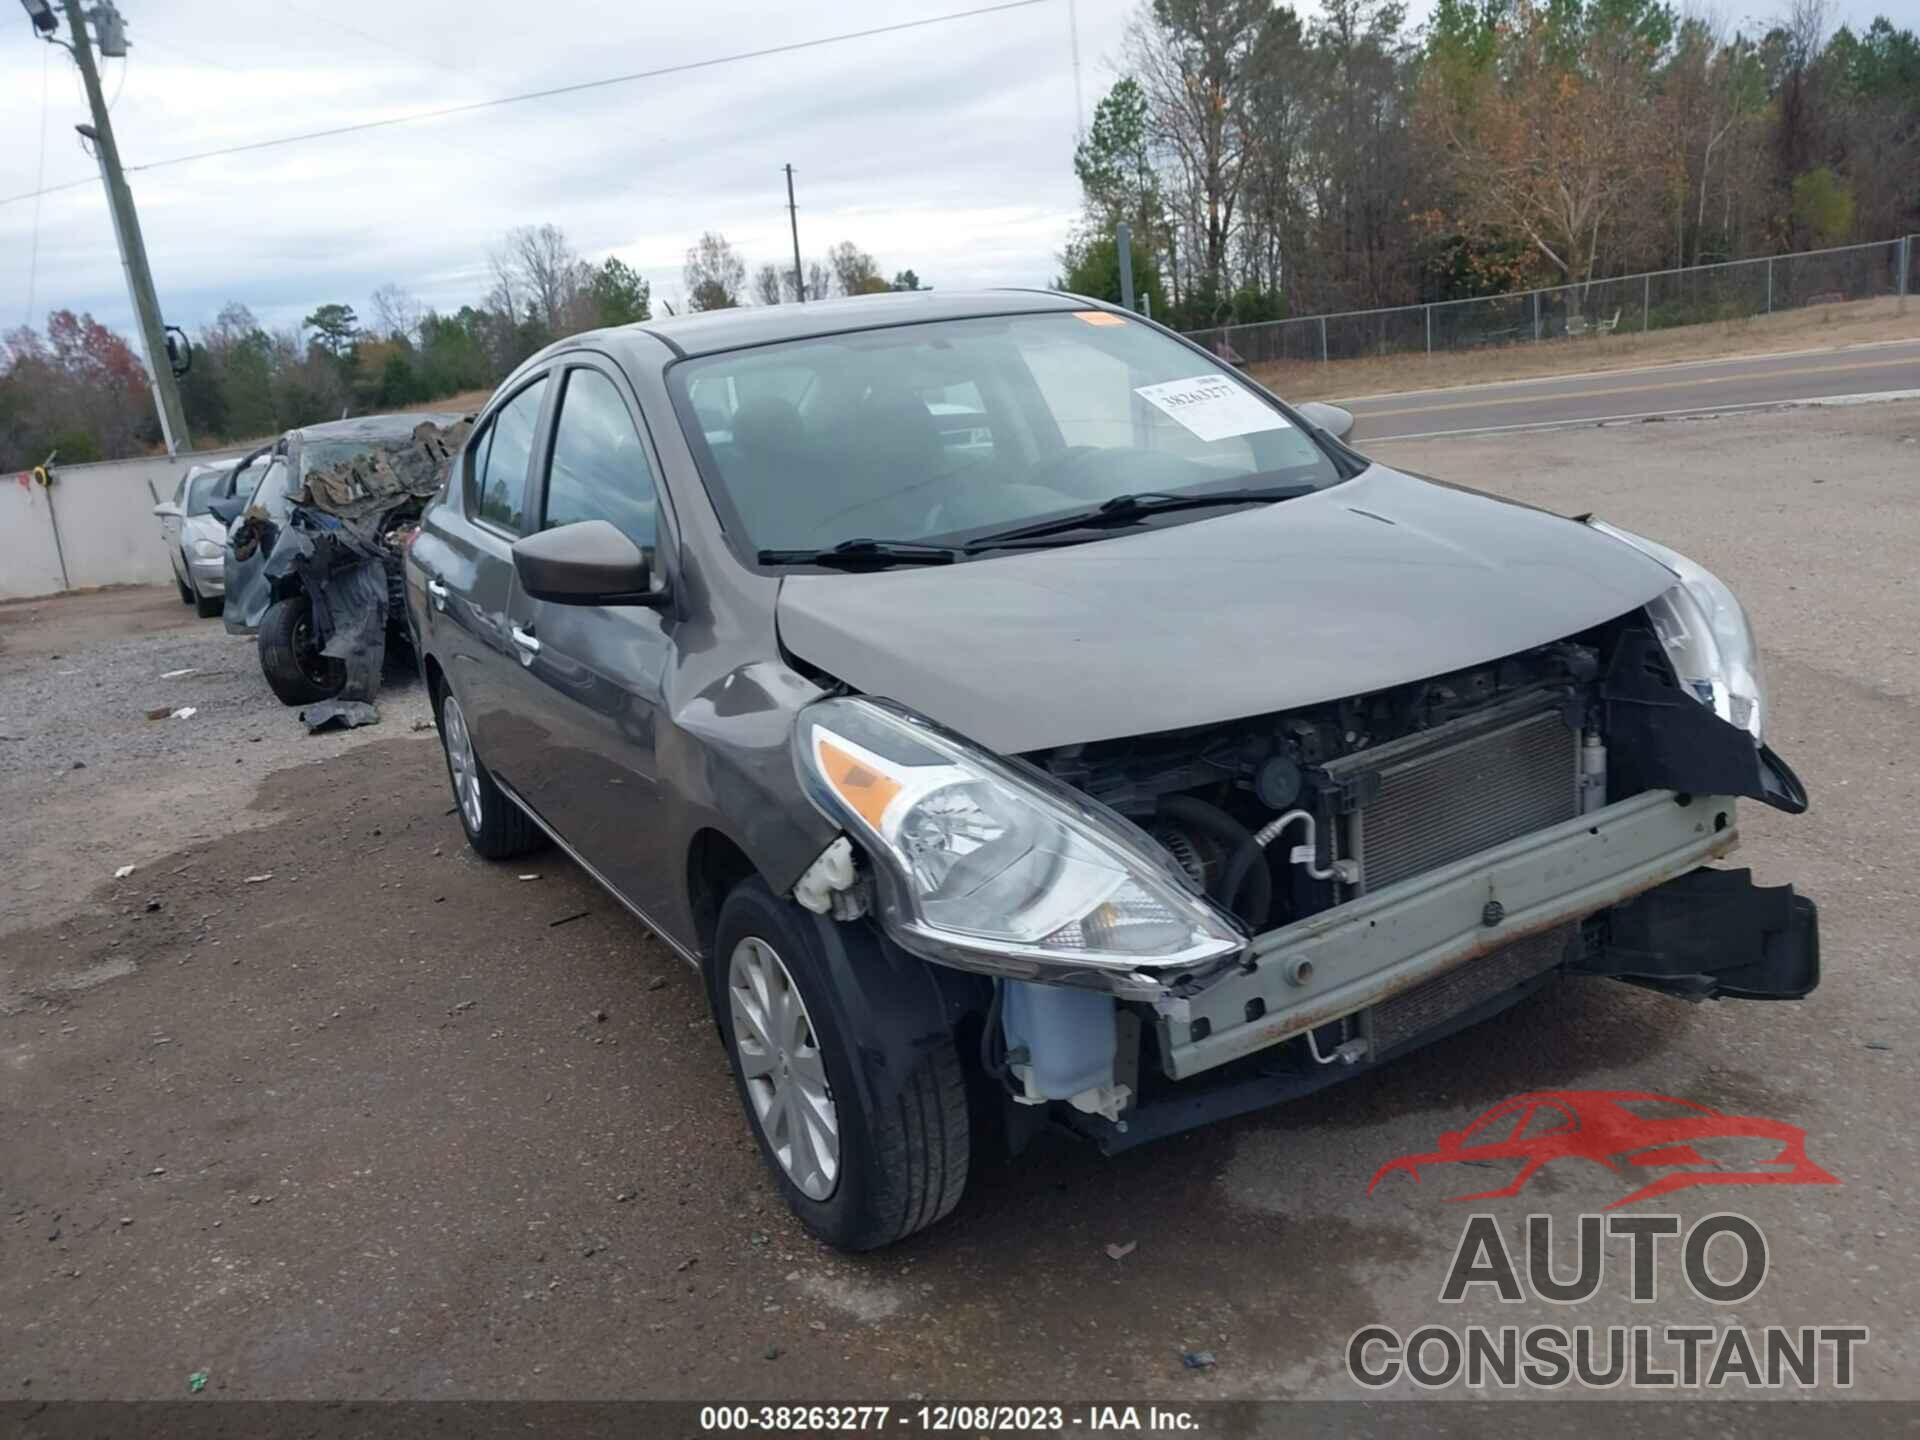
[[504, 829], [186, 592], [208, 606], [902, 1165], [290, 654]]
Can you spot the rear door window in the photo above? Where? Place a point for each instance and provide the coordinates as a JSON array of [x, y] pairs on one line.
[[500, 471]]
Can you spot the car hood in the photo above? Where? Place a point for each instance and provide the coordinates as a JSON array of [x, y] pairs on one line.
[[203, 527], [1364, 585]]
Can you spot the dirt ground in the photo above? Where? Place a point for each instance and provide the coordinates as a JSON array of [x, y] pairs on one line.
[[1815, 327], [398, 1123]]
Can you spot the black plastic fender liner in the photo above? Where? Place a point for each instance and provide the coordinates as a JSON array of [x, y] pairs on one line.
[[1661, 738], [1713, 934], [891, 1005]]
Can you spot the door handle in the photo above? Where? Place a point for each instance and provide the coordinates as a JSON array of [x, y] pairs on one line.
[[438, 590], [525, 643]]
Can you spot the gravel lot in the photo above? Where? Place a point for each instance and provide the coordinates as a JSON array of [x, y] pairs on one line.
[[397, 1123], [88, 783]]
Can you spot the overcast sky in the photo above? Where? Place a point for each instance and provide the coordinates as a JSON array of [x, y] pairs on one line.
[[947, 149]]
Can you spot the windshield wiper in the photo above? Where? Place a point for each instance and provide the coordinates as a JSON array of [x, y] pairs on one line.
[[1126, 509], [865, 554]]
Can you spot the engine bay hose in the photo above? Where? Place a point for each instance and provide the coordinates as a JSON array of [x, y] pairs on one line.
[[1243, 869]]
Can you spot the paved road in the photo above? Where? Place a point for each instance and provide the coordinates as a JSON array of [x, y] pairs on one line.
[[1706, 385]]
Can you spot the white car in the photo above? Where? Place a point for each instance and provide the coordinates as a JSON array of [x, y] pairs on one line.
[[194, 538]]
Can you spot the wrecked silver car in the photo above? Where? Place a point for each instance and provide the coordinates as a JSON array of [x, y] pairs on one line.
[[312, 560], [1135, 755]]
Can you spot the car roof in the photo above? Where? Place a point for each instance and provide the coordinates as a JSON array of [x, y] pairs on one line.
[[717, 330], [371, 427]]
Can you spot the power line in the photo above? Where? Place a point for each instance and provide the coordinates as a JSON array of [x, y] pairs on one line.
[[550, 93], [583, 85], [49, 190], [384, 46]]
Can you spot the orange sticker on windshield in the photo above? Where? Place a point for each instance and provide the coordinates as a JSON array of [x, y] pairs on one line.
[[1099, 317]]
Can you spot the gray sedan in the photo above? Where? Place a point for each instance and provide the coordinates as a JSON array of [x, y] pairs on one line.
[[1129, 754]]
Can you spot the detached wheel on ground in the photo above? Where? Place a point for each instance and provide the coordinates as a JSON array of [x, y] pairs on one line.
[[496, 828], [290, 654], [858, 1178]]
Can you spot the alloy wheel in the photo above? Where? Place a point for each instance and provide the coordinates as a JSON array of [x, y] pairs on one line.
[[786, 1076], [466, 771]]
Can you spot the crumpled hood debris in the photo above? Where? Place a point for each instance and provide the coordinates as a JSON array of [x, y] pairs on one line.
[[1375, 582], [372, 486]]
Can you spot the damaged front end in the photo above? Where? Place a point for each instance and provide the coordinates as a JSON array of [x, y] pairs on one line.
[[342, 549], [1190, 925]]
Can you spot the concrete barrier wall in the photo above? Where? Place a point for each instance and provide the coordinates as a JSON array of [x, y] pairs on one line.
[[108, 534]]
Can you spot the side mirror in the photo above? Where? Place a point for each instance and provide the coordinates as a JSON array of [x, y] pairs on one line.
[[1330, 418], [228, 508], [166, 508], [587, 563]]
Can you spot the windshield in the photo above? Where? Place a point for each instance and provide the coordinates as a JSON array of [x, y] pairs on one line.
[[320, 454], [202, 487], [961, 428]]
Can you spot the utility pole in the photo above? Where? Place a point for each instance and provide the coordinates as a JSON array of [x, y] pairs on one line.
[[793, 219], [126, 229]]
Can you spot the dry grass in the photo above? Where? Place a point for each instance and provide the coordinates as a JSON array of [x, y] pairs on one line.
[[1816, 326], [467, 402]]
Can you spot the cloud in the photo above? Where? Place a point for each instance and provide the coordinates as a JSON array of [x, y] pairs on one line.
[[947, 149]]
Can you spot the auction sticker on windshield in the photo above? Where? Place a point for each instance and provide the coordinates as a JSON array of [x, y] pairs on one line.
[[1212, 407]]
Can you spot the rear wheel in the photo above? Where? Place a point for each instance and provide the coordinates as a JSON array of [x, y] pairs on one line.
[[860, 1176], [290, 654], [496, 828]]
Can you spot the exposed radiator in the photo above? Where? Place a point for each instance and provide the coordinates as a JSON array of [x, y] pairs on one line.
[[1441, 795]]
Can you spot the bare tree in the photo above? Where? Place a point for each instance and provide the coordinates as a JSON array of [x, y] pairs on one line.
[[770, 285], [1192, 58], [854, 271], [1561, 154], [819, 281], [396, 312], [539, 276], [716, 276]]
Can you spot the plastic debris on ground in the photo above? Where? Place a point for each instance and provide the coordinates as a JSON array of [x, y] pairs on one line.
[[197, 1381], [339, 715], [123, 872]]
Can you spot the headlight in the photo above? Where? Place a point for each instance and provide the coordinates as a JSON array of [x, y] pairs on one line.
[[206, 549], [988, 867], [1706, 636]]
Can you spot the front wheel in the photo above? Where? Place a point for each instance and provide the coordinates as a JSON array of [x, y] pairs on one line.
[[859, 1174], [290, 654]]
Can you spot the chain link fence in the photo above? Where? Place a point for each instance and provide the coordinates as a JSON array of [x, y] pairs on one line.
[[1628, 304]]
